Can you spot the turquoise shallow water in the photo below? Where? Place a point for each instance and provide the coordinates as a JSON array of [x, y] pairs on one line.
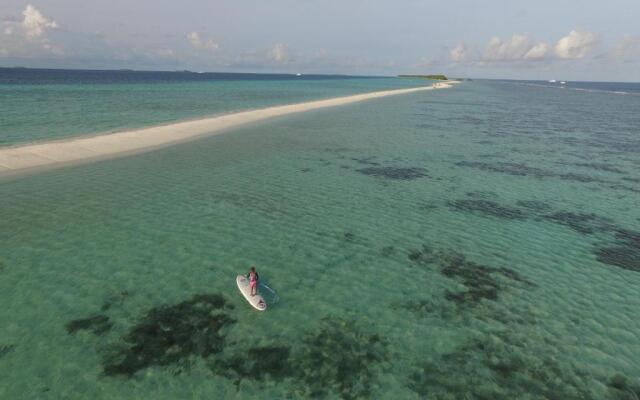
[[31, 112], [477, 242]]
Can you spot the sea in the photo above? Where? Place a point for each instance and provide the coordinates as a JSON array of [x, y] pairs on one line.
[[477, 242]]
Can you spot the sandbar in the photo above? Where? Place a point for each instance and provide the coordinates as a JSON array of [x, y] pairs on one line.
[[41, 156]]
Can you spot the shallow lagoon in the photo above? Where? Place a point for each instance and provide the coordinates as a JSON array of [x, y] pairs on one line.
[[477, 242]]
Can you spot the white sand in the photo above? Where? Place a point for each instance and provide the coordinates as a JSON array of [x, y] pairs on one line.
[[43, 156]]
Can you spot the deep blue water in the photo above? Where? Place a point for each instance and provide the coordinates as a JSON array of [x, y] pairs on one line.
[[37, 76]]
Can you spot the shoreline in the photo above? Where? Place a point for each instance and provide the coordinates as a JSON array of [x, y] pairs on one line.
[[41, 156]]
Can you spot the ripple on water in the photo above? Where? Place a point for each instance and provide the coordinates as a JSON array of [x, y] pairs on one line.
[[393, 284]]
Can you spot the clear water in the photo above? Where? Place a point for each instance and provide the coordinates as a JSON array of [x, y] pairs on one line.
[[478, 242], [53, 104]]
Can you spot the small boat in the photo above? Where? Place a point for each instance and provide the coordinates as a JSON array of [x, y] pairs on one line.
[[552, 81], [563, 83], [298, 74]]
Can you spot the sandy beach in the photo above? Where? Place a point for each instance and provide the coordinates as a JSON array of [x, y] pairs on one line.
[[37, 157]]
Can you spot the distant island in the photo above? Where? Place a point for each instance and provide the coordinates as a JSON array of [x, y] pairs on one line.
[[434, 77]]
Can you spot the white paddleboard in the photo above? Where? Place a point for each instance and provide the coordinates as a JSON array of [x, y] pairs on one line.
[[256, 301]]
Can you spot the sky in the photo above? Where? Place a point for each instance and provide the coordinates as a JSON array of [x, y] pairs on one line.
[[517, 39]]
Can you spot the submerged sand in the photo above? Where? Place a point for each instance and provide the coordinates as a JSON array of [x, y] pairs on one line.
[[43, 156]]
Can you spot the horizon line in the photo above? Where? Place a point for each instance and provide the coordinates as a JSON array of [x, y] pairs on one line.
[[18, 67]]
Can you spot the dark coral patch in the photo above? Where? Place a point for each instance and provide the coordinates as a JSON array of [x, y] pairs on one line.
[[631, 237], [600, 167], [426, 255], [6, 349], [336, 359], [476, 278], [519, 169], [115, 300], [397, 173], [481, 282], [509, 168], [513, 275], [97, 324], [578, 177], [422, 306], [533, 205], [337, 150], [270, 361], [171, 334], [627, 188], [430, 307], [625, 253], [487, 207], [624, 388], [481, 194], [340, 357], [259, 363], [629, 179], [415, 255], [508, 363], [580, 222], [388, 251]]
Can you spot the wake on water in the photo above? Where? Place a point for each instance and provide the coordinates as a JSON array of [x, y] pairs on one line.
[[269, 295]]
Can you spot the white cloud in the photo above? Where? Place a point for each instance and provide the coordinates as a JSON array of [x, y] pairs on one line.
[[538, 52], [279, 53], [459, 53], [198, 43], [27, 37], [575, 45], [34, 23], [512, 49], [628, 48], [517, 48]]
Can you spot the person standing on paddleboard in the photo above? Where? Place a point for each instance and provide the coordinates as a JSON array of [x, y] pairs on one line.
[[253, 280]]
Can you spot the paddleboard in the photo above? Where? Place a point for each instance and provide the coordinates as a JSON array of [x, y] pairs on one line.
[[256, 301]]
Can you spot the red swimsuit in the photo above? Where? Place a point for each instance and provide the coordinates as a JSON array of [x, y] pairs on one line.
[[253, 281]]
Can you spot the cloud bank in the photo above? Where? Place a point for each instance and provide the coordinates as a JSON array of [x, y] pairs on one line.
[[198, 43], [518, 47], [459, 53], [522, 48], [279, 53], [575, 45], [35, 36], [628, 49], [35, 24], [28, 37]]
